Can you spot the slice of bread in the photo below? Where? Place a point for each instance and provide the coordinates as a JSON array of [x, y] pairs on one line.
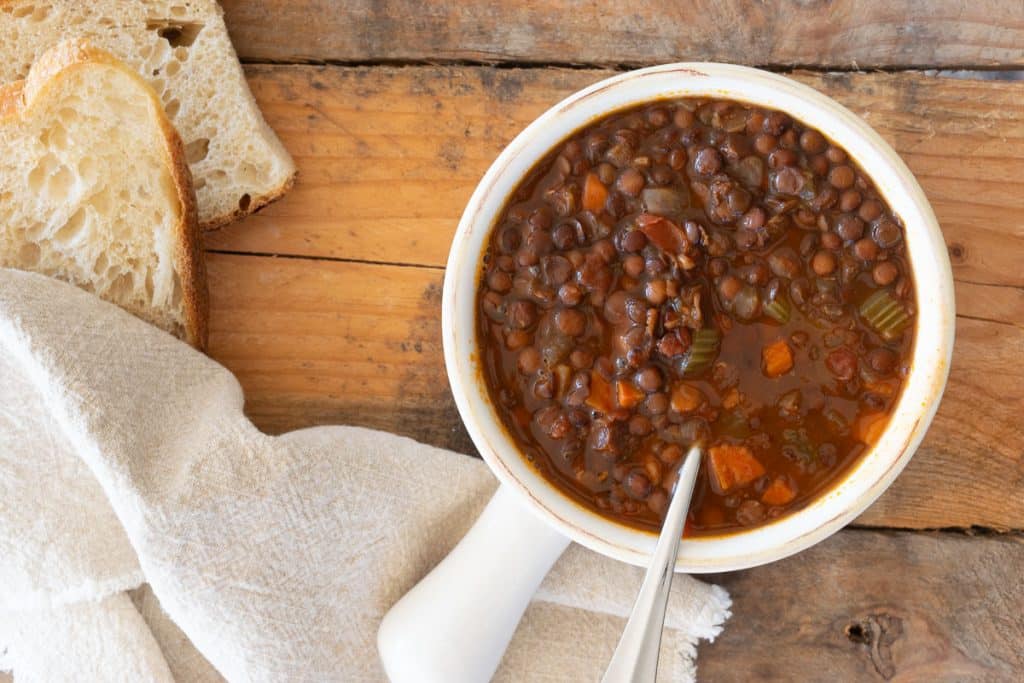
[[182, 49], [94, 189]]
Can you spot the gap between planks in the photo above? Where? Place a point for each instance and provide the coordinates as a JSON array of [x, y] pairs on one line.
[[924, 69], [328, 259], [839, 33]]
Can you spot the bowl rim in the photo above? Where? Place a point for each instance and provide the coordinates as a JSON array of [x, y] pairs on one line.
[[864, 480]]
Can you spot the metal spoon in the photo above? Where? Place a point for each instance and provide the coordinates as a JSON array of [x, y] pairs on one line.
[[636, 656]]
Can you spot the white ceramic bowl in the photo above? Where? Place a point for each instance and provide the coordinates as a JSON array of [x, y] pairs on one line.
[[868, 478], [456, 623]]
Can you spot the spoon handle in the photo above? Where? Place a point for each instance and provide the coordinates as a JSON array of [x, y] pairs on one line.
[[636, 656]]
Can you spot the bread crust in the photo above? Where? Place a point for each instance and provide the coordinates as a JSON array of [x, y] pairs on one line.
[[16, 101], [255, 204]]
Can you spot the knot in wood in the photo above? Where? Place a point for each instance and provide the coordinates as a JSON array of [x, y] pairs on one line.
[[877, 633]]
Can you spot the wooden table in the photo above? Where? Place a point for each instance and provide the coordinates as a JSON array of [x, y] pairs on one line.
[[326, 305]]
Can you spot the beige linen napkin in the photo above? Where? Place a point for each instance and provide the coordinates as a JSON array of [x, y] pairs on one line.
[[125, 460]]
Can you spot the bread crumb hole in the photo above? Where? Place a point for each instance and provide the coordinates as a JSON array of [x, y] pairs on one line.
[[67, 115], [35, 231], [101, 202], [172, 68], [197, 150], [42, 170], [178, 11], [73, 230], [87, 168], [28, 255], [59, 185], [181, 34], [55, 137], [40, 13], [199, 184], [101, 265], [181, 54], [172, 108], [24, 11], [244, 201]]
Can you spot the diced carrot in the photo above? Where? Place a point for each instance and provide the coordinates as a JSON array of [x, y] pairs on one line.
[[686, 398], [779, 492], [733, 466], [594, 194], [868, 428], [732, 398], [627, 393], [777, 358], [600, 397], [662, 232]]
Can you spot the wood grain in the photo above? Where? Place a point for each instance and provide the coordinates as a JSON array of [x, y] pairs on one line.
[[388, 157], [876, 606], [319, 342], [322, 342], [842, 33]]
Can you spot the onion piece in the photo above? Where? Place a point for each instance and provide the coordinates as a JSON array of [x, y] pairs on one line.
[[665, 201], [747, 304]]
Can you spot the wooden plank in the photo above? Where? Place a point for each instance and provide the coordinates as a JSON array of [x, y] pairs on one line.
[[321, 342], [842, 33], [316, 342], [874, 606], [388, 157]]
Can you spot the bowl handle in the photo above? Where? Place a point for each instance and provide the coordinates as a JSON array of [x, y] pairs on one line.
[[456, 623]]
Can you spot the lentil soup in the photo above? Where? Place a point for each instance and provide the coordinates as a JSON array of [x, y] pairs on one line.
[[695, 270]]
